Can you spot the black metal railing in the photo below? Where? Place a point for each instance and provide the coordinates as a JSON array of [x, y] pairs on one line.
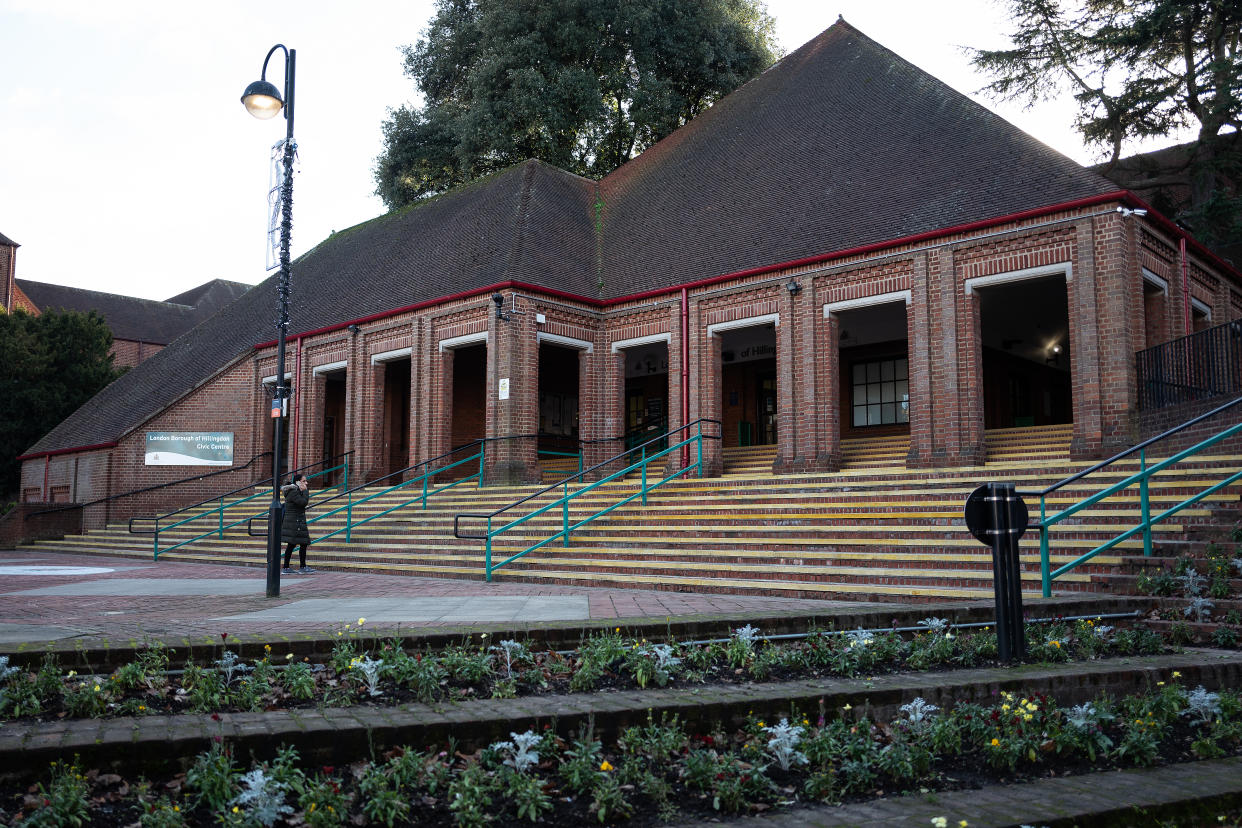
[[1200, 366]]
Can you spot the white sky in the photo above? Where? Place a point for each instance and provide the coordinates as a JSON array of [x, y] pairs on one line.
[[128, 165]]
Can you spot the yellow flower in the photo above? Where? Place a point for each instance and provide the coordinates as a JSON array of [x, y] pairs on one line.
[[1176, 674], [616, 629], [962, 823], [96, 688], [311, 808], [288, 656], [605, 766], [177, 808], [236, 810], [1004, 708], [847, 707], [1160, 684], [361, 621], [1056, 644], [267, 648], [1026, 717], [995, 742], [939, 822], [761, 724]]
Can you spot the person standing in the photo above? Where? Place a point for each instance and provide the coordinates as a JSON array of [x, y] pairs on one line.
[[293, 530]]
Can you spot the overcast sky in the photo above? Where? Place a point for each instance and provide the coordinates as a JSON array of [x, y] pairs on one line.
[[128, 165]]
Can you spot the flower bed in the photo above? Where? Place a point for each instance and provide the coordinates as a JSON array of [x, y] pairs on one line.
[[390, 674], [659, 771]]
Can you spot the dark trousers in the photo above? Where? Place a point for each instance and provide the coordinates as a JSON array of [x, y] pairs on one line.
[[301, 554]]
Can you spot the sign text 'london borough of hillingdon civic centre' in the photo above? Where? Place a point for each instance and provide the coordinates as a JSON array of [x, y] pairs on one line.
[[189, 448]]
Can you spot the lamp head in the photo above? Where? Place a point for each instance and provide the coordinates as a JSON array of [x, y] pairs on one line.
[[262, 100]]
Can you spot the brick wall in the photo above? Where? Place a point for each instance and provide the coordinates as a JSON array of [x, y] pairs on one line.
[[129, 353], [453, 395], [23, 525]]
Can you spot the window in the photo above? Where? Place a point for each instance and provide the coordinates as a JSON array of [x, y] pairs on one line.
[[881, 392]]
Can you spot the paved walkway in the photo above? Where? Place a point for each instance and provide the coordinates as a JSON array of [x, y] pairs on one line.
[[48, 596]]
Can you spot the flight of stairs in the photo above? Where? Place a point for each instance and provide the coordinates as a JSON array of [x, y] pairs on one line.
[[873, 531]]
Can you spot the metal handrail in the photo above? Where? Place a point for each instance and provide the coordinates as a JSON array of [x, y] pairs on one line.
[[564, 500], [1143, 445], [146, 489], [424, 479], [1142, 478], [158, 518], [222, 507]]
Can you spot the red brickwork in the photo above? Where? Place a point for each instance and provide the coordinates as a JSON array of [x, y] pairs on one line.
[[454, 394]]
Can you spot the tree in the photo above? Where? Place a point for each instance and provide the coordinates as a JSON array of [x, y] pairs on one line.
[[1138, 69], [584, 85], [49, 366]]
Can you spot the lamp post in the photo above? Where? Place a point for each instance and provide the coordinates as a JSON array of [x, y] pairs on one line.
[[263, 100]]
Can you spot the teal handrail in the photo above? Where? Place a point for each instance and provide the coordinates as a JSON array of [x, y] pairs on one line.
[[425, 479], [567, 496], [1142, 478], [221, 507]]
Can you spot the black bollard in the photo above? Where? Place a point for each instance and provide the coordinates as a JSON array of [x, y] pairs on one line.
[[997, 516]]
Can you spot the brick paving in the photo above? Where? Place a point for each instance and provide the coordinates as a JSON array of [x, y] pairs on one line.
[[128, 616]]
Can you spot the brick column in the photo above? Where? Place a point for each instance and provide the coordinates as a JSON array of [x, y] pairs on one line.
[[973, 443], [828, 366], [605, 377], [440, 427], [788, 386], [1120, 331], [953, 354], [918, 356], [1084, 324], [353, 416], [311, 422], [706, 392], [515, 358], [420, 424]]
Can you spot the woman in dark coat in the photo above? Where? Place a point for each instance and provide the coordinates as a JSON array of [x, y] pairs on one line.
[[293, 529]]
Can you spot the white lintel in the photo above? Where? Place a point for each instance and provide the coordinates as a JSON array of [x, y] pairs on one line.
[[329, 367], [463, 340], [749, 322], [272, 379], [622, 344], [1202, 307], [390, 356], [1157, 281], [867, 301], [567, 341], [1065, 269]]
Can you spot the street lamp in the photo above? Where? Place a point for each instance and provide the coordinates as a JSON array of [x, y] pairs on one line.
[[263, 100]]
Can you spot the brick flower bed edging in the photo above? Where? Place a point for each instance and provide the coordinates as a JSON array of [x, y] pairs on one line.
[[335, 735], [1108, 799], [104, 655]]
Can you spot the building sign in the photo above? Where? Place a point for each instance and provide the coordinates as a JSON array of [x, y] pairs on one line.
[[189, 448]]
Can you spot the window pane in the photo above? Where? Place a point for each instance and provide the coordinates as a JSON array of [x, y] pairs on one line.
[[873, 393], [860, 415], [903, 414], [873, 415], [886, 392], [901, 390], [873, 372], [886, 371], [860, 373], [901, 369], [889, 415]]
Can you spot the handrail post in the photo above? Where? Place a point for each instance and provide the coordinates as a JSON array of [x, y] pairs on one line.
[[425, 476], [482, 453], [565, 514], [221, 516], [698, 444], [487, 551], [644, 462], [155, 552], [1045, 566], [1144, 504]]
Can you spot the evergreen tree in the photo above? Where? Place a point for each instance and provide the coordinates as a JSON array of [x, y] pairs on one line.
[[584, 85], [49, 366], [1138, 69]]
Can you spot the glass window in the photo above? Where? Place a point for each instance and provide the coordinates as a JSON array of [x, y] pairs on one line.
[[881, 392]]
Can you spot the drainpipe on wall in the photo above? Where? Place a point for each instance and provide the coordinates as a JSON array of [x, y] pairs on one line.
[[297, 405], [47, 461], [1185, 286], [685, 371]]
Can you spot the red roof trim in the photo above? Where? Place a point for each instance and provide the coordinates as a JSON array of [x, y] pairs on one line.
[[73, 450], [1124, 196]]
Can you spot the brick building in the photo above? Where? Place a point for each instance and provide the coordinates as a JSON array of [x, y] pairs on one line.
[[140, 327], [843, 246]]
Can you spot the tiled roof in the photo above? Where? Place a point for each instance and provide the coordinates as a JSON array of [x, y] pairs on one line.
[[531, 222], [209, 297], [139, 320], [7, 242], [839, 144]]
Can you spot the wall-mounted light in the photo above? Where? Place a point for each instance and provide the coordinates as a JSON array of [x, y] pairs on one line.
[[353, 330], [1054, 356], [1126, 212], [499, 299], [793, 287]]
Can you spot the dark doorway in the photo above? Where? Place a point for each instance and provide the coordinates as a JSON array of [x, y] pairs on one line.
[[558, 398], [469, 400], [333, 426], [396, 415], [1024, 327], [748, 382], [646, 393]]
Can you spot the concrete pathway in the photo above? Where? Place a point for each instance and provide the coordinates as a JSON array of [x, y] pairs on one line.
[[48, 596]]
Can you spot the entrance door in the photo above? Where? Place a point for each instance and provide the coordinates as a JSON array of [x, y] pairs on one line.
[[766, 415]]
